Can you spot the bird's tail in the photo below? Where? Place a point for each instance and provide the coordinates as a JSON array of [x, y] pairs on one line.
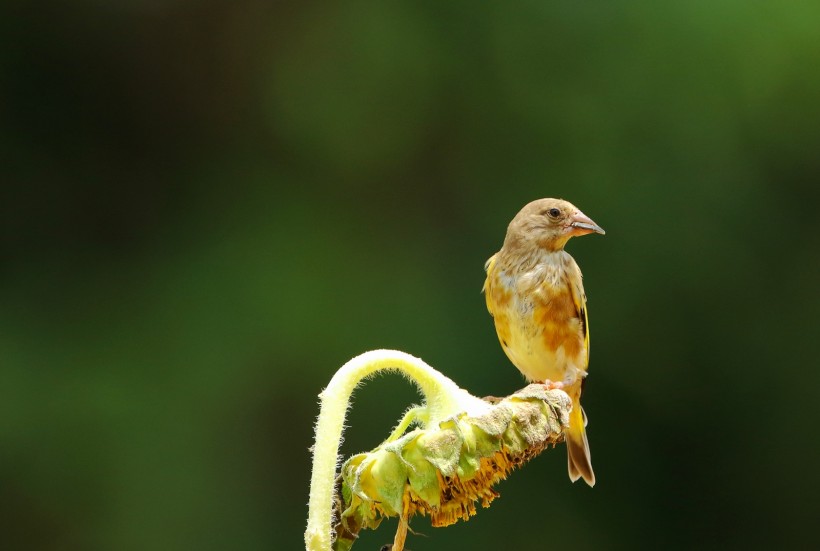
[[578, 457]]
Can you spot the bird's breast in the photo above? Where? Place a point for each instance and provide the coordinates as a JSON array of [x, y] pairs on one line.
[[538, 323]]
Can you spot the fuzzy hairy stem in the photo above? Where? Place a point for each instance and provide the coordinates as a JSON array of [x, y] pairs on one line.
[[443, 399]]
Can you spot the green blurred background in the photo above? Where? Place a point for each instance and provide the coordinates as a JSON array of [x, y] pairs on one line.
[[208, 207]]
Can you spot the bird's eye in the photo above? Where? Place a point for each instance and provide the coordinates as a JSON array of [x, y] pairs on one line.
[[554, 212]]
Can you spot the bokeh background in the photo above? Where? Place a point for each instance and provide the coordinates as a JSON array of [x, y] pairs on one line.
[[208, 207]]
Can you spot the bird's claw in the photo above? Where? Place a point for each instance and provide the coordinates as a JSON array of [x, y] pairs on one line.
[[553, 385]]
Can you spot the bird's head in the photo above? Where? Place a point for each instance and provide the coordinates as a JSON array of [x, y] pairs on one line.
[[549, 224]]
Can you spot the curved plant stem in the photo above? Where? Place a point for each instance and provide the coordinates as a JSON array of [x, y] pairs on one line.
[[443, 399]]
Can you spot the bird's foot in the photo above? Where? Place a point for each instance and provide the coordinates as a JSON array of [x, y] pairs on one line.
[[553, 385]]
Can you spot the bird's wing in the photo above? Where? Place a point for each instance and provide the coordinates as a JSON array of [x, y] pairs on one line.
[[579, 297], [489, 267]]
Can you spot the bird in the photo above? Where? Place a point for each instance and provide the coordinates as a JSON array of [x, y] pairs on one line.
[[535, 294]]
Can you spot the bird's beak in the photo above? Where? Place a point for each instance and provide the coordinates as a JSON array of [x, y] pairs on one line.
[[582, 224]]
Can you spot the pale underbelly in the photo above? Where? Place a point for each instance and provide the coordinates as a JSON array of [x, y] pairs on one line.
[[527, 350]]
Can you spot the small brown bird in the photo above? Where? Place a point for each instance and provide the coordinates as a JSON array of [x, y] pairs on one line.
[[536, 297]]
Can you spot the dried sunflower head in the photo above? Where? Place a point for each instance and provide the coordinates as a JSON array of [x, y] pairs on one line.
[[443, 470]]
